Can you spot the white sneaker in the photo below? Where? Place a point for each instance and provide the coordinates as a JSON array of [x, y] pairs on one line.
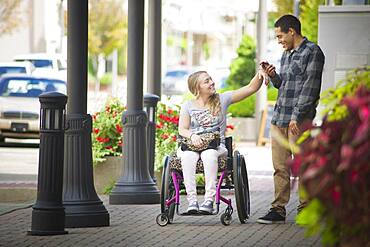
[[206, 207], [193, 207]]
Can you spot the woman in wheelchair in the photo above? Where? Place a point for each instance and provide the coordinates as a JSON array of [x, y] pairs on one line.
[[206, 114], [202, 126]]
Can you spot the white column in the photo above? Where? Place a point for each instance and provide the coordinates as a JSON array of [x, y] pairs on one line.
[[261, 99]]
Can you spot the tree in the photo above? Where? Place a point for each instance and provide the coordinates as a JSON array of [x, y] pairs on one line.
[[10, 18], [309, 18], [107, 30], [283, 7]]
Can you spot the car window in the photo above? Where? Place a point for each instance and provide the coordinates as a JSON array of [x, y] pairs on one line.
[[176, 73], [16, 86], [39, 63], [4, 70], [31, 87]]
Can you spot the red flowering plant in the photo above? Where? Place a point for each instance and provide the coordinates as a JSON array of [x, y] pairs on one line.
[[107, 131], [166, 132], [333, 164]]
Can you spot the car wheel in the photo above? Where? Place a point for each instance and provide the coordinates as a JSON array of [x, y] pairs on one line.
[[2, 139]]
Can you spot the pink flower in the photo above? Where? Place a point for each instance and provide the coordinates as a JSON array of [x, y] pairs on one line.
[[102, 139], [119, 128], [353, 176], [364, 113], [335, 195], [159, 126], [230, 126]]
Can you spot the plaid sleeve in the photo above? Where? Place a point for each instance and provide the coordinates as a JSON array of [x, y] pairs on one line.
[[276, 80], [311, 85]]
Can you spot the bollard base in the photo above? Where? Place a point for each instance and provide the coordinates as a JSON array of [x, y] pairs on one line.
[[123, 199], [85, 214], [47, 221], [87, 220], [146, 193], [45, 233]]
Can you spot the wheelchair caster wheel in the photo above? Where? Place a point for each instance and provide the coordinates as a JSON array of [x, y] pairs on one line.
[[226, 219], [162, 219]]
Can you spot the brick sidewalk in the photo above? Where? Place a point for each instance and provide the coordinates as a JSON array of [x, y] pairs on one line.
[[134, 225]]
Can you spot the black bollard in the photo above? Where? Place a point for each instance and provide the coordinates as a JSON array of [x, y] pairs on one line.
[[150, 106], [48, 212]]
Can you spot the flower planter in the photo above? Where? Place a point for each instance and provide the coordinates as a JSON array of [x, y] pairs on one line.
[[245, 129], [107, 173]]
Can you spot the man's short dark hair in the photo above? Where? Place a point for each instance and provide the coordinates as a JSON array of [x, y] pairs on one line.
[[289, 21]]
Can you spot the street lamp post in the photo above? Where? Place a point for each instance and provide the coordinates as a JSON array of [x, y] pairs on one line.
[[136, 185], [48, 211], [82, 205], [150, 106]]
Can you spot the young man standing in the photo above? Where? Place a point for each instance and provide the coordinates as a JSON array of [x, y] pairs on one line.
[[299, 84]]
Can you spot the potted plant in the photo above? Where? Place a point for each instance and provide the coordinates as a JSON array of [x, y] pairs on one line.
[[334, 167], [107, 144]]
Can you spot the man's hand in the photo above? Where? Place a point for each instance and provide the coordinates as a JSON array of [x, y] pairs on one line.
[[293, 127], [268, 68]]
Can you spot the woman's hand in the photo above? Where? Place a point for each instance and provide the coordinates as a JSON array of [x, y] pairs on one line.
[[262, 75], [196, 140]]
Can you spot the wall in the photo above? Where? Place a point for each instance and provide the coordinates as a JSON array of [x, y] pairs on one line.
[[344, 37], [40, 30]]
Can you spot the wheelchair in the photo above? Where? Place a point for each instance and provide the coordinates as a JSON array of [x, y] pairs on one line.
[[232, 175]]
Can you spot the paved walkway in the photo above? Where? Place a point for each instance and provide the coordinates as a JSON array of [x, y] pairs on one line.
[[134, 225]]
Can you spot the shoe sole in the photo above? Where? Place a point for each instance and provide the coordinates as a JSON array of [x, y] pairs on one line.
[[205, 211], [192, 211], [269, 222]]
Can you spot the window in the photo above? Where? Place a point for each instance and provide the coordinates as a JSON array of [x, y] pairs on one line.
[[4, 70], [31, 87]]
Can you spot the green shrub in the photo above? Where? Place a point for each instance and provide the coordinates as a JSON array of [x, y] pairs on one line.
[[247, 107], [106, 79], [243, 68], [309, 18], [272, 94], [244, 108]]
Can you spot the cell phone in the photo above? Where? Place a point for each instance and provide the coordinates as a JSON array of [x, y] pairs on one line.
[[264, 65]]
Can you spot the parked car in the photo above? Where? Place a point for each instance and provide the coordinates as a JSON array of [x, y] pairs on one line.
[[16, 67], [19, 103], [46, 64], [175, 81]]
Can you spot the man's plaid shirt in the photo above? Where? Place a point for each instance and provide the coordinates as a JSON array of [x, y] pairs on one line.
[[299, 84]]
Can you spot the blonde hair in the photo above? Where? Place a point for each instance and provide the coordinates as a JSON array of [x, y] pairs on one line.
[[193, 85]]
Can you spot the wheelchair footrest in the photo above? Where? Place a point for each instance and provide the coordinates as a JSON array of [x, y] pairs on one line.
[[198, 213]]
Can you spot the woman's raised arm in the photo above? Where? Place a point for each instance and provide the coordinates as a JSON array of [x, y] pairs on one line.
[[251, 88]]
